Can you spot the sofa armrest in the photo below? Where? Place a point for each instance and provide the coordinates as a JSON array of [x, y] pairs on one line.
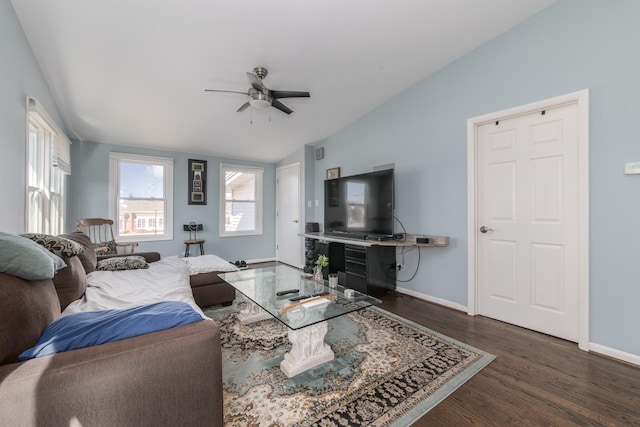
[[171, 377], [148, 256]]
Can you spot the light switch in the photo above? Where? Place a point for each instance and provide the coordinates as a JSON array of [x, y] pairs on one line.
[[632, 168], [309, 204], [317, 204]]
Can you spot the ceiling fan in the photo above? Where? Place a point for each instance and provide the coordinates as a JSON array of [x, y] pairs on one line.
[[261, 97]]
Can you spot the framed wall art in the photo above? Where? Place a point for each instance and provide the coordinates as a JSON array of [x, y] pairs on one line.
[[333, 173], [197, 182]]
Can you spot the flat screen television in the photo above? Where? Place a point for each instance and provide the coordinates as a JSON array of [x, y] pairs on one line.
[[359, 206]]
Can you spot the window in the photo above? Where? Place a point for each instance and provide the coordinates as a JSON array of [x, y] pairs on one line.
[[48, 164], [241, 200], [141, 196]]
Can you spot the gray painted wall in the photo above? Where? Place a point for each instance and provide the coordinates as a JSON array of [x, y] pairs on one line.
[[89, 197], [20, 77], [573, 45]]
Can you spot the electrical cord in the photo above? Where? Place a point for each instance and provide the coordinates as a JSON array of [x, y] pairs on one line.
[[402, 252], [404, 231], [413, 276]]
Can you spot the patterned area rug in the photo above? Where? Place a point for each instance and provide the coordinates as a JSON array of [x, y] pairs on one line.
[[388, 371]]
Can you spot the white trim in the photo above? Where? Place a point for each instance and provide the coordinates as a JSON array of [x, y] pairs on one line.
[[616, 354], [299, 264], [435, 300], [581, 98]]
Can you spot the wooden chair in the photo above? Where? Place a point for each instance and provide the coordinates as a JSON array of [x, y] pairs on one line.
[[100, 231]]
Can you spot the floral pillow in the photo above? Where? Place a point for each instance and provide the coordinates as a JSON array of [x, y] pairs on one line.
[[132, 262], [110, 245], [57, 245]]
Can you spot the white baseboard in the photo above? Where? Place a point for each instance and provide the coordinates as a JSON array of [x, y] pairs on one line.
[[634, 359], [259, 260], [434, 300]]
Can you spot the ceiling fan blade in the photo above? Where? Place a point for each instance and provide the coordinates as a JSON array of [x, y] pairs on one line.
[[255, 82], [225, 91], [280, 106], [276, 94], [243, 107]]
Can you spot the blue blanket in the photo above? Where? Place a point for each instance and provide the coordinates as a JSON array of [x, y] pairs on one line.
[[80, 330]]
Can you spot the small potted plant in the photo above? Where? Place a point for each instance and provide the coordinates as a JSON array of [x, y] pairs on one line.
[[321, 263]]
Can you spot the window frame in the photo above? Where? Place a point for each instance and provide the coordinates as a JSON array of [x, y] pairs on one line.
[[258, 200], [47, 163], [114, 185]]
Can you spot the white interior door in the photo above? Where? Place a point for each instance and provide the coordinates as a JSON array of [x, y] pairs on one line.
[[528, 203], [288, 242]]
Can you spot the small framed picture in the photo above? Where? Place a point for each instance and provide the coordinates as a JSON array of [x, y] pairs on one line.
[[333, 173]]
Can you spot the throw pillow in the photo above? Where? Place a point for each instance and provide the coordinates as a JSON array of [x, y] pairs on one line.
[[26, 259], [58, 245], [110, 245], [132, 262], [88, 257], [80, 330]]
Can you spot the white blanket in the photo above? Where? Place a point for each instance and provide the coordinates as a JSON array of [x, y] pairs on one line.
[[164, 280], [206, 264]]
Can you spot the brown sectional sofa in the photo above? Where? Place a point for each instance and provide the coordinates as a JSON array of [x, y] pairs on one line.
[[209, 289], [166, 378]]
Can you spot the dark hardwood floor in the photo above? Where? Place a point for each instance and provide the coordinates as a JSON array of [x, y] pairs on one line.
[[534, 380]]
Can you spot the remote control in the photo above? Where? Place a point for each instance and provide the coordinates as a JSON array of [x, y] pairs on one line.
[[287, 292], [301, 297], [319, 294]]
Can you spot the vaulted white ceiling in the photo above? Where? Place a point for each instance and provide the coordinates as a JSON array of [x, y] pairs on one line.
[[133, 72]]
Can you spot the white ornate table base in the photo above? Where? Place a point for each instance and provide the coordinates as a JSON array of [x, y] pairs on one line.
[[308, 349], [252, 313]]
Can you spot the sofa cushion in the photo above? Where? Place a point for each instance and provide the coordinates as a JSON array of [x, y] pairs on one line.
[[70, 282], [88, 257], [26, 308], [87, 329], [26, 259], [58, 245], [132, 262]]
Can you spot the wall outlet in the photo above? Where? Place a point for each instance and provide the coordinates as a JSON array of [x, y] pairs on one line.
[[400, 267]]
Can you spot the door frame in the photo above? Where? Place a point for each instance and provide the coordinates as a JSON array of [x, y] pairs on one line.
[[581, 99], [278, 170]]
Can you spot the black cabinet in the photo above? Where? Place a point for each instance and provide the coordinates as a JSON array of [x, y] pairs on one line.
[[371, 270]]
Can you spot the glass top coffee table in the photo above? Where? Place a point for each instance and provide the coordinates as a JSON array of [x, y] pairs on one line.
[[306, 318]]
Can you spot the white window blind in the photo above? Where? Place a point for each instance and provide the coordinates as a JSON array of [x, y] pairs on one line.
[[61, 147]]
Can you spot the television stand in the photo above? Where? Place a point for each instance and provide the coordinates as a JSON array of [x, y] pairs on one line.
[[368, 266]]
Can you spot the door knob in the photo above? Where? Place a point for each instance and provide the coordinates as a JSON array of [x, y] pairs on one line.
[[295, 220], [484, 229]]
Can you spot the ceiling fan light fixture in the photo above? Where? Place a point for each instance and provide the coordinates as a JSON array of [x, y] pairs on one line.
[[259, 100], [259, 104], [261, 97]]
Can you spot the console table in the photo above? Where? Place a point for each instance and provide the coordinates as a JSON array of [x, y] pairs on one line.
[[368, 266]]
